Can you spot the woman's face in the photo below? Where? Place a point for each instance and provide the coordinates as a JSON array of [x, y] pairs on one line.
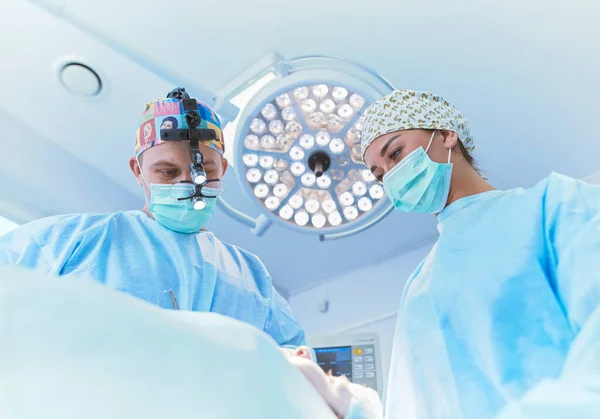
[[388, 150]]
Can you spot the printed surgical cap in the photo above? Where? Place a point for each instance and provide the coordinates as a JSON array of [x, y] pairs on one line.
[[409, 109], [167, 114]]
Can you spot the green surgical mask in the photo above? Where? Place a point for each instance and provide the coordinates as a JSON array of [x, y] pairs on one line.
[[418, 184], [179, 215]]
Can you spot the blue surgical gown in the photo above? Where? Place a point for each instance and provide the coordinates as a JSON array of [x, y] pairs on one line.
[[130, 252], [503, 315]]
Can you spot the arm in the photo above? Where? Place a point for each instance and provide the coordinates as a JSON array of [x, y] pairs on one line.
[[281, 324], [20, 249], [573, 243]]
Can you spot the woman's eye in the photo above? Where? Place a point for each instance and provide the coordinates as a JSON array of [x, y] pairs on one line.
[[395, 154]]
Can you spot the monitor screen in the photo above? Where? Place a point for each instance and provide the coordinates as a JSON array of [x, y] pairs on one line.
[[338, 360]]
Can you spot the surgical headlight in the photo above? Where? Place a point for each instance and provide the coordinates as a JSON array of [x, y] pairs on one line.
[[198, 203], [198, 176], [194, 136]]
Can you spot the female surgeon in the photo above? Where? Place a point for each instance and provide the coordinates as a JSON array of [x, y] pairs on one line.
[[502, 318]]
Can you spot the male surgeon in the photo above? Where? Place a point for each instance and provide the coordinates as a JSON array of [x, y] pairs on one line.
[[162, 254]]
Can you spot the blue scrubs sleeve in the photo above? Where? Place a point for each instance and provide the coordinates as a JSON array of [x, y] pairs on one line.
[[281, 323], [19, 248], [572, 224]]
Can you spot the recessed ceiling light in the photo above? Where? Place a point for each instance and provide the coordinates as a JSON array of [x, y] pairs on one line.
[[80, 79]]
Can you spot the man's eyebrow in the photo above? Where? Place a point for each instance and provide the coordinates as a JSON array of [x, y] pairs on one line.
[[163, 163]]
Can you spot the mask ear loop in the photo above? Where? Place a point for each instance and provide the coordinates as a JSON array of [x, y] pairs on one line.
[[142, 172], [431, 141], [144, 179]]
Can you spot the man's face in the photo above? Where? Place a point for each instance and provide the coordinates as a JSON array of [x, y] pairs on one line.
[[169, 163]]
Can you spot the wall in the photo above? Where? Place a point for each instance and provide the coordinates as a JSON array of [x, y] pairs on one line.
[[364, 300]]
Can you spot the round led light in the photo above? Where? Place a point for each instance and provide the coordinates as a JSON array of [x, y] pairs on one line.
[[261, 190], [350, 213], [328, 206], [339, 93], [296, 201], [317, 118], [312, 206], [266, 162], [271, 177], [368, 176], [324, 182], [334, 122], [307, 141], [280, 190], [283, 140], [283, 100], [253, 175], [251, 141], [308, 105], [356, 101], [359, 188], [288, 113], [276, 126], [327, 106], [365, 204], [335, 219], [258, 126], [347, 198], [308, 179], [267, 141], [376, 192], [301, 93], [296, 153], [297, 168], [250, 159], [286, 212], [322, 138], [318, 220], [320, 90], [336, 146], [301, 218], [269, 111], [272, 203], [345, 111], [293, 128]]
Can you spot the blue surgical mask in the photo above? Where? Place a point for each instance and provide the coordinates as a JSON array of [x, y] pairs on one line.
[[418, 184], [178, 215]]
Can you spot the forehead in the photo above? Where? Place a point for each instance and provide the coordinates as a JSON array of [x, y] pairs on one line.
[[377, 145], [178, 153]]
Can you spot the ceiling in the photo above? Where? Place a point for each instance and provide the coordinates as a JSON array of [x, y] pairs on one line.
[[524, 73]]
